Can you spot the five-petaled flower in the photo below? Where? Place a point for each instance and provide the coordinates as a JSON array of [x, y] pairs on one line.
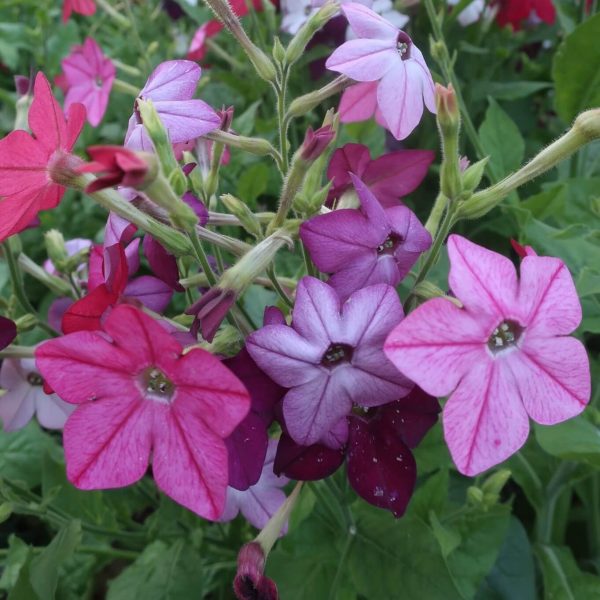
[[139, 395], [505, 355], [386, 54], [31, 166], [331, 358]]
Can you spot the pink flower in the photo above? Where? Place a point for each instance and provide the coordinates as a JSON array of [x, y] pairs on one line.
[[503, 356], [390, 177], [331, 358], [89, 76], [82, 7], [384, 53], [171, 87], [138, 396], [25, 397], [30, 165], [260, 501], [365, 247], [359, 103]]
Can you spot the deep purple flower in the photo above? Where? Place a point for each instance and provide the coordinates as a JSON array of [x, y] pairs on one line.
[[331, 357], [381, 467], [171, 87], [390, 177], [260, 501], [250, 583], [8, 332], [210, 310], [367, 246]]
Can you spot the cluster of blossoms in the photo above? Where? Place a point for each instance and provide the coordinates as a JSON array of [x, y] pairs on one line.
[[346, 377]]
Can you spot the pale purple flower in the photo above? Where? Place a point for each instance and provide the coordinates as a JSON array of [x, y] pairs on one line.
[[25, 397], [89, 77], [260, 501], [171, 88], [386, 54], [331, 357], [504, 356], [364, 247]]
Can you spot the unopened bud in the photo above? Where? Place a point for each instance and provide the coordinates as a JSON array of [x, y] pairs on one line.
[[473, 175], [493, 485], [588, 123], [246, 217], [474, 496], [315, 142], [448, 114], [299, 42], [278, 51], [55, 248], [178, 181]]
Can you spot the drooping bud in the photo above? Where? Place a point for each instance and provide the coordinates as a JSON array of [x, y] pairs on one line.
[[315, 142], [250, 582], [210, 310]]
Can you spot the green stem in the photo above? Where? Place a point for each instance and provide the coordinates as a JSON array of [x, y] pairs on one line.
[[15, 351], [277, 287], [133, 71], [223, 55], [126, 88], [280, 92], [200, 255], [437, 212], [136, 36], [117, 16], [54, 284]]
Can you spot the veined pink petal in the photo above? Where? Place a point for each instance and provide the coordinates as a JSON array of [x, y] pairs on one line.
[[437, 345], [364, 60], [187, 119], [553, 377], [107, 442], [400, 100], [484, 281], [484, 420], [172, 80], [548, 297], [46, 118], [358, 102], [368, 24], [420, 70], [285, 356], [189, 461]]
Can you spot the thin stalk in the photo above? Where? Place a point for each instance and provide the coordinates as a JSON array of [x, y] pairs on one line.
[[437, 212], [136, 36], [54, 284], [280, 291], [15, 351], [223, 55], [114, 14], [200, 254], [133, 71], [126, 88]]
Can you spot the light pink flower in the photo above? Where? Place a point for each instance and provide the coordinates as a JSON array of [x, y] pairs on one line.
[[505, 355], [89, 78], [385, 54], [138, 395], [260, 501], [25, 397]]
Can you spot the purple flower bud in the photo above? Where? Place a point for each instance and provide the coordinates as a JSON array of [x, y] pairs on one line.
[[249, 582], [226, 115], [315, 142], [210, 311], [23, 85]]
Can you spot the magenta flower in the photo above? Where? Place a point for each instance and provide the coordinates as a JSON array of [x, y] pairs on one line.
[[30, 164], [171, 87], [8, 332], [390, 177], [505, 355], [331, 357], [82, 7], [384, 53], [359, 103], [25, 397], [260, 501], [364, 247], [381, 467], [89, 78], [138, 395]]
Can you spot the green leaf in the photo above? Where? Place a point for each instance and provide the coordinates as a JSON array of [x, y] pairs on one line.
[[574, 439], [430, 496], [162, 572], [245, 123], [563, 580], [252, 183], [501, 140], [513, 575], [17, 555], [22, 452], [575, 70], [510, 90]]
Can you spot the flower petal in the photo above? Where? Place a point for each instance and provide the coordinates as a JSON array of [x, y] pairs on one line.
[[364, 60], [358, 103], [187, 119], [172, 80], [368, 24]]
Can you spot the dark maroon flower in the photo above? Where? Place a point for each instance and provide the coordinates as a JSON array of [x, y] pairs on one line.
[[390, 177], [250, 583], [119, 166], [8, 332], [315, 142], [210, 310]]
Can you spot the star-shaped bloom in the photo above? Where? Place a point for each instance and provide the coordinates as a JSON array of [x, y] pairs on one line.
[[331, 357], [30, 165], [363, 247], [390, 177], [89, 76], [171, 87], [260, 501], [139, 395], [504, 356], [81, 7], [386, 54], [25, 397], [381, 467]]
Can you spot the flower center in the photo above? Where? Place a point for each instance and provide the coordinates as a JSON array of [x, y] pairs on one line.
[[34, 379], [403, 44], [157, 385], [506, 335], [336, 354], [391, 243]]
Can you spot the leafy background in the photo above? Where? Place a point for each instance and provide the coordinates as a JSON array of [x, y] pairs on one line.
[[530, 529]]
